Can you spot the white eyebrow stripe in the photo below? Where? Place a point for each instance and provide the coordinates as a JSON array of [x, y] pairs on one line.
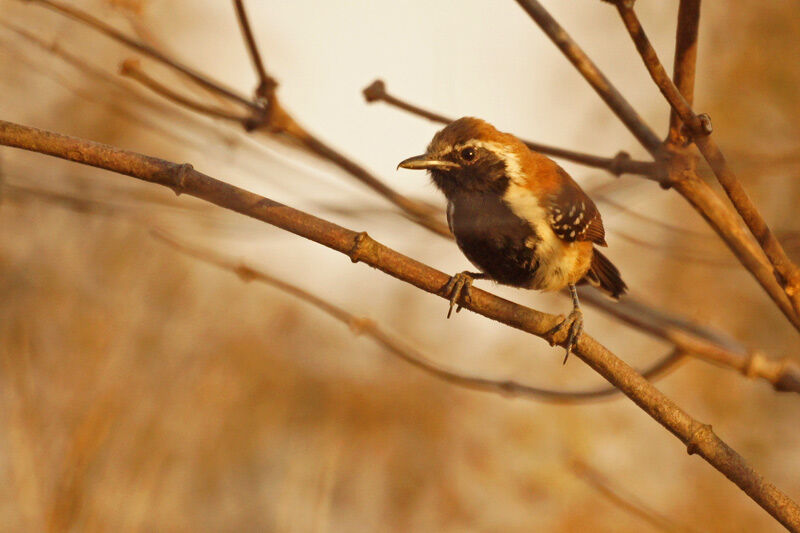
[[508, 156]]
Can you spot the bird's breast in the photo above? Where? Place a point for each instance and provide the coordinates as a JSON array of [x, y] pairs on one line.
[[493, 238]]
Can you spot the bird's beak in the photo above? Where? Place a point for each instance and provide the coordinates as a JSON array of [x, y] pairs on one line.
[[426, 162]]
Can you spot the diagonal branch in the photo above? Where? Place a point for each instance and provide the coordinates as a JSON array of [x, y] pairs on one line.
[[402, 349], [182, 178], [617, 165], [610, 95], [131, 69], [699, 128]]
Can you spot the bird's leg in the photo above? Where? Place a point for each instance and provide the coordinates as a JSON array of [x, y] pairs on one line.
[[574, 322], [458, 285]]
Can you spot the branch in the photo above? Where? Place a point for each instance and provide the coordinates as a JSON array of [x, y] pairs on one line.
[[699, 128], [610, 95], [685, 62], [182, 178], [132, 69], [271, 118], [266, 83], [395, 345], [701, 342], [617, 165], [624, 499]]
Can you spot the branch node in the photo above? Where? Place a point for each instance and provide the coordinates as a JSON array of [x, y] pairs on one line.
[[754, 364], [359, 325], [180, 178], [375, 92], [699, 434], [358, 245], [701, 127], [616, 167], [245, 273]]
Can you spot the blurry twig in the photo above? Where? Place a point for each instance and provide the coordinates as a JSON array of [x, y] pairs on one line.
[[266, 83], [617, 165], [701, 342], [698, 129], [393, 343], [624, 499], [699, 438], [265, 116]]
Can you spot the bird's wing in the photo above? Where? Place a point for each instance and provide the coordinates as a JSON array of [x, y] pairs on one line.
[[572, 214]]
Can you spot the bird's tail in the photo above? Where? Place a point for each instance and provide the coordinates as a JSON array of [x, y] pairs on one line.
[[605, 276]]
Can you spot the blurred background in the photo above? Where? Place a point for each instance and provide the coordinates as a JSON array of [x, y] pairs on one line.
[[145, 390]]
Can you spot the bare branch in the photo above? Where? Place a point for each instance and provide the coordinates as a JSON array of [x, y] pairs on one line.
[[132, 69], [617, 165], [701, 342], [147, 50], [182, 178], [699, 127], [266, 83], [610, 95], [685, 61], [400, 348], [622, 498]]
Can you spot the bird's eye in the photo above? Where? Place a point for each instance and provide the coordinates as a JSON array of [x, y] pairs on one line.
[[468, 153]]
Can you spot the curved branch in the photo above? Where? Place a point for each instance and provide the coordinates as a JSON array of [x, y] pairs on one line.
[[699, 438]]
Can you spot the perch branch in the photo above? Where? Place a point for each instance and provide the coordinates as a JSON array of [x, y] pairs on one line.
[[400, 348], [699, 129], [699, 438], [617, 165], [610, 95]]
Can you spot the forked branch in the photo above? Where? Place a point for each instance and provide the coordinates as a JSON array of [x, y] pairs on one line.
[[699, 129]]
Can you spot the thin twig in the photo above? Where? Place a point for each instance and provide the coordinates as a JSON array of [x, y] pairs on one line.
[[610, 95], [359, 247], [397, 346], [266, 83], [624, 499], [685, 63], [617, 165], [132, 69], [699, 128], [698, 341], [147, 50]]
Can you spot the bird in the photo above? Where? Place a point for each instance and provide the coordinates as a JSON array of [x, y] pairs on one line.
[[517, 216]]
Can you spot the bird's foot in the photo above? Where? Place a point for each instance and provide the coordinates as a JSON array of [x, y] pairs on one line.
[[459, 288], [575, 324]]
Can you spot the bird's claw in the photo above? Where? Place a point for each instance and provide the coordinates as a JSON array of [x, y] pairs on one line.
[[458, 287], [575, 324]]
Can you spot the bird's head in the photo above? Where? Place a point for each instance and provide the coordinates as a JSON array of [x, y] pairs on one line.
[[470, 155]]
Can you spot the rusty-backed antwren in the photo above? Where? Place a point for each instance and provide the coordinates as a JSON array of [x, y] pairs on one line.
[[517, 216]]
